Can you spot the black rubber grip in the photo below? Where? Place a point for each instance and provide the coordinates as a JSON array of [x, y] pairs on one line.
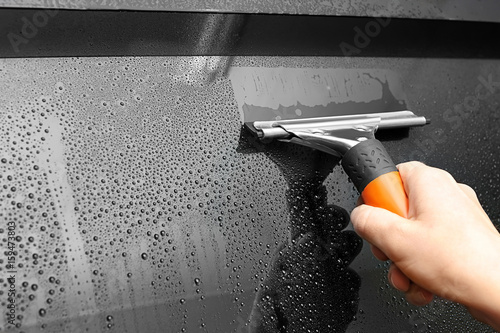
[[367, 161]]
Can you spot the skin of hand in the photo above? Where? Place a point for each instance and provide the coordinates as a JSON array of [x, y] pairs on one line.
[[448, 246]]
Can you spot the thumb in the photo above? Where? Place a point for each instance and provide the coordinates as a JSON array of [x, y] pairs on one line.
[[382, 228]]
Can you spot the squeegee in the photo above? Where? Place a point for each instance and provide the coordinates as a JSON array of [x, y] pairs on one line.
[[336, 111], [352, 138]]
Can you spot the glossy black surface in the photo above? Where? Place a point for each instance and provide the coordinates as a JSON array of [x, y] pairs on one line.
[[63, 33]]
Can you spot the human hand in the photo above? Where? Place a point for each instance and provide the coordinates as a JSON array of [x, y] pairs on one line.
[[448, 246]]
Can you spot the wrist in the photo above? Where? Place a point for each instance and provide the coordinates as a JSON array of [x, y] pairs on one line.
[[483, 301]]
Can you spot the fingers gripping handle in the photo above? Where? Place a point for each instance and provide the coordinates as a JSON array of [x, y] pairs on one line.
[[376, 177]]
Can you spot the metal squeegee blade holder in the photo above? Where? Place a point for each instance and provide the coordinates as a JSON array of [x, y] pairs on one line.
[[282, 129]]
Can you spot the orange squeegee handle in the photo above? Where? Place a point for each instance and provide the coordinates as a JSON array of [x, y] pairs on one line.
[[376, 177]]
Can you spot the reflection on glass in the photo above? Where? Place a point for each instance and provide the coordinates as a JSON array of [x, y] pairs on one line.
[[309, 287]]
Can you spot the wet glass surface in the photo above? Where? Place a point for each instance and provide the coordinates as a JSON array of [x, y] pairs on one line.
[[137, 205]]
